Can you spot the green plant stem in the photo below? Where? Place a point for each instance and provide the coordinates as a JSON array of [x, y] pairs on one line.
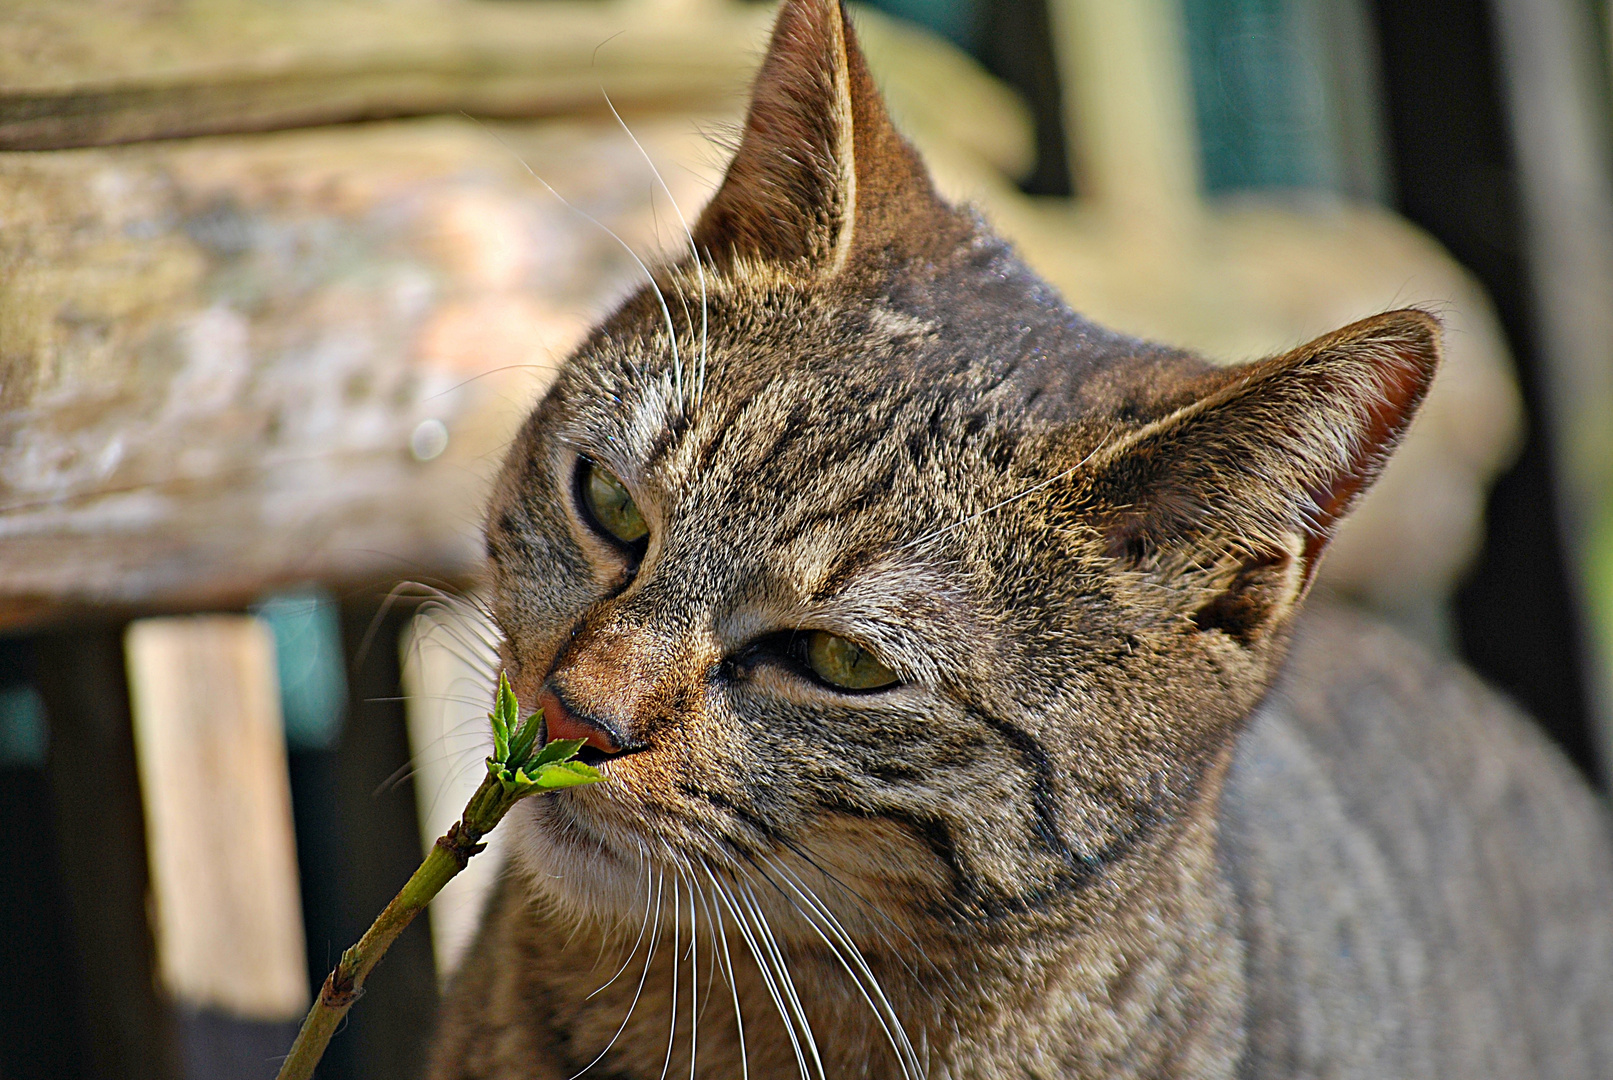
[[344, 985], [517, 768]]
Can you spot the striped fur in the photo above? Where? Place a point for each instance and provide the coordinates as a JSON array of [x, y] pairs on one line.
[[1082, 555]]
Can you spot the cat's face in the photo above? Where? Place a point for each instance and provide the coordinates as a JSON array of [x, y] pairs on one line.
[[865, 561]]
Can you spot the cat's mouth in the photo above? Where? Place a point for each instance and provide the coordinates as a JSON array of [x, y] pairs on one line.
[[595, 757]]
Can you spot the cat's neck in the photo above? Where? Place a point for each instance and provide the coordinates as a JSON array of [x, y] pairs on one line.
[[1154, 988]]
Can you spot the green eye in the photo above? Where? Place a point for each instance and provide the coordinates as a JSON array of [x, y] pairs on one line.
[[612, 507], [845, 663]]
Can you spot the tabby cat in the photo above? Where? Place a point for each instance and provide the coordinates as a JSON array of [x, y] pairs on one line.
[[943, 653]]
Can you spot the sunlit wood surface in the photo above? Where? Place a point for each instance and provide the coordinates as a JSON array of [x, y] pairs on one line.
[[227, 916]]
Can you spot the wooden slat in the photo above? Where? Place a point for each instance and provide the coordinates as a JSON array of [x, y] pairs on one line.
[[448, 660], [77, 75], [215, 352], [213, 777]]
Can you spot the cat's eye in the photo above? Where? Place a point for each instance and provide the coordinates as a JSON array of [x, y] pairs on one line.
[[611, 507], [845, 664]]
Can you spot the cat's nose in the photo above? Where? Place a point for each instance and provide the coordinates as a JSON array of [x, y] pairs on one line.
[[562, 723]]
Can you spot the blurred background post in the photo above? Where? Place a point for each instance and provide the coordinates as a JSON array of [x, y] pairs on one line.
[[280, 278]]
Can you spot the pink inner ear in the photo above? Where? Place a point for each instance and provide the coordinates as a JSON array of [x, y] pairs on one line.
[[1401, 384], [1257, 456]]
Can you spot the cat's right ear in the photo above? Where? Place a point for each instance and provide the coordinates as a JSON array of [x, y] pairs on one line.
[[822, 180], [1233, 497]]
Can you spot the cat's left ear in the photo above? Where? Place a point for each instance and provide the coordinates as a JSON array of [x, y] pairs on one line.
[[822, 180], [1233, 498]]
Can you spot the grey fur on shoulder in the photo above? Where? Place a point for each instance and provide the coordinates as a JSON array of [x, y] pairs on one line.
[[1424, 882]]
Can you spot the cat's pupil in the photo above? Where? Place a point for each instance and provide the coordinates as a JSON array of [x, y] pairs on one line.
[[612, 507], [846, 664]]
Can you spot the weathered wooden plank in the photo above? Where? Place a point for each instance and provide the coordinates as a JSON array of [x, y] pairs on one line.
[[211, 748], [81, 75], [215, 353], [92, 75]]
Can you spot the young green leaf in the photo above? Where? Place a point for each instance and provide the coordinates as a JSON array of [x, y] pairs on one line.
[[505, 709], [504, 717], [501, 744], [567, 774], [521, 743], [555, 750]]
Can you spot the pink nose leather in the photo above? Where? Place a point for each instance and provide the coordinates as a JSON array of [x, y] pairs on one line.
[[563, 725]]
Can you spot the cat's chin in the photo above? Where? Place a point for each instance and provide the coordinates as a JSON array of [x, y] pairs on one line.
[[572, 857]]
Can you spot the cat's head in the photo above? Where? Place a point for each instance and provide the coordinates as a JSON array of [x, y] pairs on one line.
[[855, 552]]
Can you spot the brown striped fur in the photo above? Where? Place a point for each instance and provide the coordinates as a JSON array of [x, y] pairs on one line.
[[1083, 837]]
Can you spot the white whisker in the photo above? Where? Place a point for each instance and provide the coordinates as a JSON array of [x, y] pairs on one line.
[[765, 932], [672, 1010], [649, 955], [720, 939], [764, 968], [698, 892], [699, 266], [870, 908], [883, 1010], [644, 925], [694, 974], [671, 329]]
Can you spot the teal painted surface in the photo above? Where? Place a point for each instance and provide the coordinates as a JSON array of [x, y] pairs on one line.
[[23, 734], [1286, 95], [308, 653], [1258, 95]]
